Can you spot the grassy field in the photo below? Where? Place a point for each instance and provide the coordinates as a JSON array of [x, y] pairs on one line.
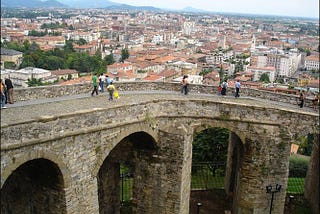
[[295, 185]]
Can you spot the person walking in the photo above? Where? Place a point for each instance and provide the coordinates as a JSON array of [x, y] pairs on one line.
[[237, 89], [185, 84], [9, 87], [219, 90], [108, 80], [94, 84], [301, 99], [111, 90], [3, 94], [224, 88], [315, 101], [102, 80]]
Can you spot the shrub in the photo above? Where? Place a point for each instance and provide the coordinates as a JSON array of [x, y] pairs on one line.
[[298, 166]]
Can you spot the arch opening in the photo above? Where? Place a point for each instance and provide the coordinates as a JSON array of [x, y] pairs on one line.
[[36, 186], [216, 159], [303, 174], [125, 173]]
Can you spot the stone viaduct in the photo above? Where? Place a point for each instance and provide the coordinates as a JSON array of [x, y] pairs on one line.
[[65, 156]]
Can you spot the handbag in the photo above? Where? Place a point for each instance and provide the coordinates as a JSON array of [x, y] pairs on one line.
[[116, 94]]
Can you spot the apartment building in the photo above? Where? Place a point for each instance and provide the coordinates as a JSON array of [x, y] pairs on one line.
[[77, 35], [258, 71], [65, 73], [285, 64], [20, 77], [51, 41], [116, 67], [312, 63], [218, 57], [185, 68], [9, 55]]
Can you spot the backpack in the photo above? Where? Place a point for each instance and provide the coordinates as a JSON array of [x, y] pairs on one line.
[[224, 85]]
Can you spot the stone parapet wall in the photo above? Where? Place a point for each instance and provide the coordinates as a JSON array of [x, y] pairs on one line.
[[43, 92], [46, 128]]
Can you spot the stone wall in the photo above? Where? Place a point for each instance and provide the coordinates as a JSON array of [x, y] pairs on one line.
[[311, 192], [43, 92]]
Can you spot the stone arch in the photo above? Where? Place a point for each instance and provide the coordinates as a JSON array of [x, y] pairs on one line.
[[18, 161], [135, 150], [234, 159], [127, 130], [36, 186], [205, 124]]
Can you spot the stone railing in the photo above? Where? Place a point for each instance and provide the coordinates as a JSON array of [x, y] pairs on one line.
[[43, 92]]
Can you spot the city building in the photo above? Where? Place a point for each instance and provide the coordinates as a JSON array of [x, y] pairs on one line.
[[312, 63], [9, 55], [20, 77], [258, 71]]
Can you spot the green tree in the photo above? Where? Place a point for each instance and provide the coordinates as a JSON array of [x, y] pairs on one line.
[[52, 63], [221, 74], [34, 82], [9, 65], [205, 72], [68, 48], [81, 41], [238, 66], [308, 52], [290, 85], [13, 45], [33, 47], [109, 59], [210, 145], [27, 61], [264, 78], [279, 80], [124, 55], [26, 45], [57, 52]]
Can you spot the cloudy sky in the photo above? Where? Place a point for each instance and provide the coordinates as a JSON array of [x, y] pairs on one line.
[[301, 8]]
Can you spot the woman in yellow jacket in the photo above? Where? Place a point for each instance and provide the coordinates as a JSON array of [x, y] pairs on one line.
[[111, 90]]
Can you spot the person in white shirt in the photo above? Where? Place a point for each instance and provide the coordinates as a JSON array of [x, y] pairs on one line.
[[237, 88], [102, 80]]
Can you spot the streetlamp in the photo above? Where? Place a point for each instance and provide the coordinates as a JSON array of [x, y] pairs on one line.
[[198, 207], [270, 190]]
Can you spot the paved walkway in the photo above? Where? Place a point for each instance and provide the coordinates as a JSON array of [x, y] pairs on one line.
[[28, 110]]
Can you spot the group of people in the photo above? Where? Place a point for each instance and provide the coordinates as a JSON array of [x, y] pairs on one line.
[[222, 91], [6, 88], [103, 80], [303, 96], [222, 88]]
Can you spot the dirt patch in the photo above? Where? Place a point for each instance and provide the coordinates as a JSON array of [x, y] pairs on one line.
[[216, 202], [212, 201]]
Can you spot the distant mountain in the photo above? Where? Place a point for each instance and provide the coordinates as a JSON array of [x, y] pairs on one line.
[[89, 3], [32, 3], [130, 7], [193, 10]]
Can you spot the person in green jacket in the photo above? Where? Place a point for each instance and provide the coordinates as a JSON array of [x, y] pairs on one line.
[[94, 84]]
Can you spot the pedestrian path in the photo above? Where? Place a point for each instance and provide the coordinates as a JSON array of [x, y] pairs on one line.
[[28, 110]]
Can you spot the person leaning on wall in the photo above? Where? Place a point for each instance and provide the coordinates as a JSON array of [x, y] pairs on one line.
[[9, 87]]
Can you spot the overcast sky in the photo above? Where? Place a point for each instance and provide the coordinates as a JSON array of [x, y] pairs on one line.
[[301, 8]]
